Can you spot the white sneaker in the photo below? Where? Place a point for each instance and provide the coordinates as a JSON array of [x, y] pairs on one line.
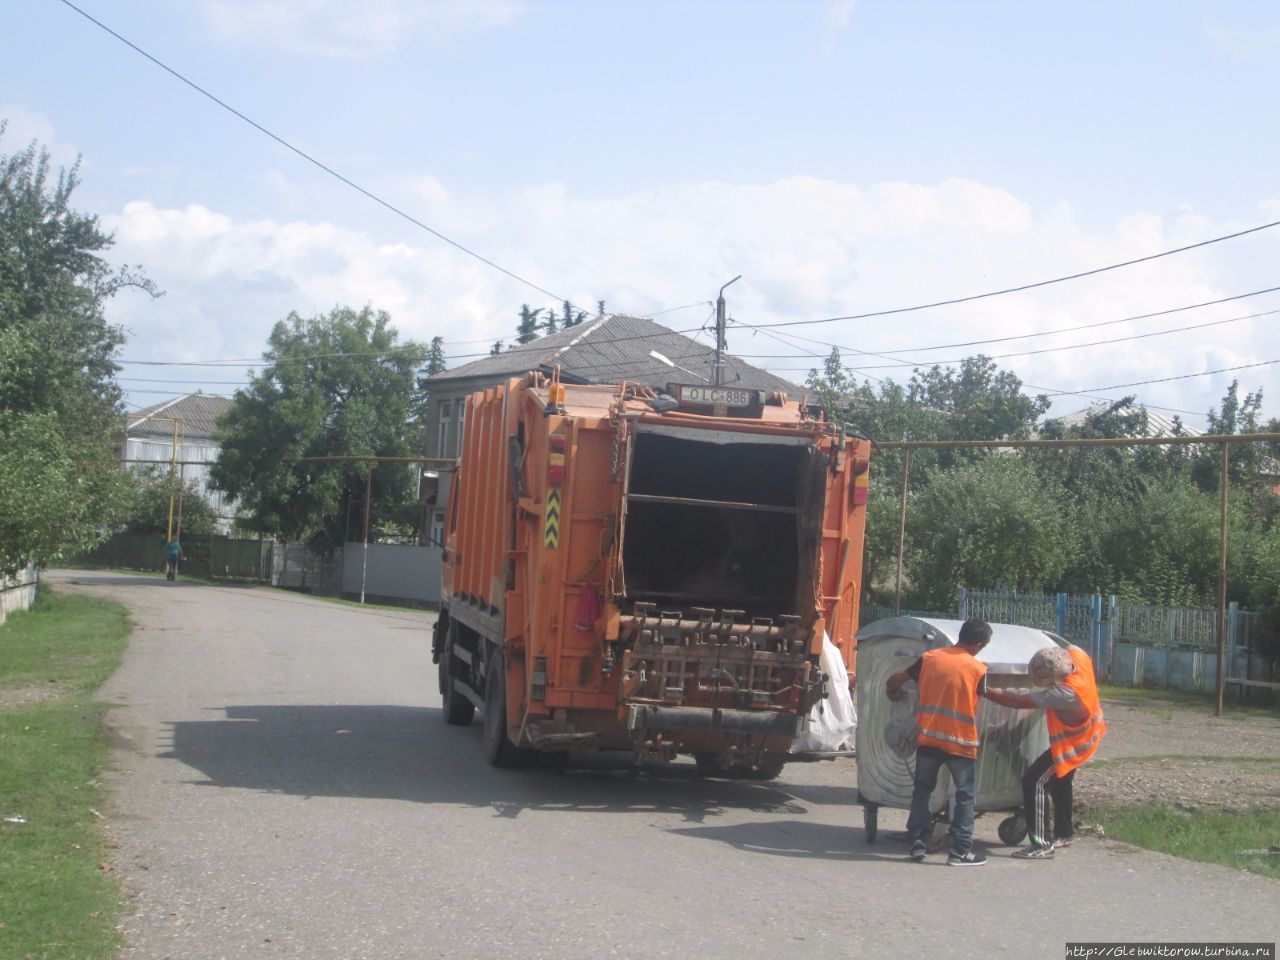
[[1034, 853]]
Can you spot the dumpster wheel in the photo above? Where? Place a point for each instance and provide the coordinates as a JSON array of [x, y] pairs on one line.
[[1012, 830]]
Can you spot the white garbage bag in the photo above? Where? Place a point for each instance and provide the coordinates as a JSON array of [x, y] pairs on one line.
[[833, 721]]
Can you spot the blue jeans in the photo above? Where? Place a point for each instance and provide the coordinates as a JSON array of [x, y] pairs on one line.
[[929, 762]]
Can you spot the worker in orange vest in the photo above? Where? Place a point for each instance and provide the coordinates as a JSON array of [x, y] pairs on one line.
[[1069, 698], [951, 679]]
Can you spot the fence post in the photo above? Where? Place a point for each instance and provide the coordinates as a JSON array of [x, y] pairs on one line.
[[1096, 612], [962, 602], [1233, 624], [1062, 615]]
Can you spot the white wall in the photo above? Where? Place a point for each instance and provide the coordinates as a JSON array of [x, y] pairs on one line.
[[19, 593], [402, 572]]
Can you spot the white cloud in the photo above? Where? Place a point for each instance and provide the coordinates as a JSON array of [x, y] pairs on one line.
[[807, 249], [22, 126], [334, 28]]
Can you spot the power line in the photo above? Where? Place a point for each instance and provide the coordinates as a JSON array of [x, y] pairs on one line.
[[1184, 376], [533, 346], [312, 160], [1052, 391], [1078, 346], [1085, 326], [1026, 286]]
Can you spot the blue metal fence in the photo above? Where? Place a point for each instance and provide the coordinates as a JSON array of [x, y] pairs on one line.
[[1170, 647]]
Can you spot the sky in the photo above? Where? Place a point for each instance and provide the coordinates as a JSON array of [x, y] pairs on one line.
[[844, 158]]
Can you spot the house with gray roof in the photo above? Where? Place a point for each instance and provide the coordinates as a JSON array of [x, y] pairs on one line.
[[188, 424], [1158, 425], [602, 350]]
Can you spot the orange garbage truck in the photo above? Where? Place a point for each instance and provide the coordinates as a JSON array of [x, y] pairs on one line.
[[629, 569]]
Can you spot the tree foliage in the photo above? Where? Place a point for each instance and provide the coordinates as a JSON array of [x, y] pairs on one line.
[[1141, 522], [152, 491], [61, 483], [333, 386], [989, 523]]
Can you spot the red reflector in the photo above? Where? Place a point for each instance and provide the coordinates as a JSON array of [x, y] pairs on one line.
[[859, 496], [556, 442], [555, 477]]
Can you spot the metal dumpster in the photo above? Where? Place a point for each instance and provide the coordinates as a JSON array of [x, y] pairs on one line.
[[886, 744]]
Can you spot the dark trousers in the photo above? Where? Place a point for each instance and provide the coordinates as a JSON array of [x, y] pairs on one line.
[[1040, 785], [929, 763]]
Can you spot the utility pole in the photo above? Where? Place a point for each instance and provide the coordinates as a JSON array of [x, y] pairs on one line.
[[720, 321]]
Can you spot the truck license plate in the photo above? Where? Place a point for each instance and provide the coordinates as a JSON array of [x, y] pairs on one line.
[[725, 395]]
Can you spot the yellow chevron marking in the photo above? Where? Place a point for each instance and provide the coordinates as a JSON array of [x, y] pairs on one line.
[[551, 532]]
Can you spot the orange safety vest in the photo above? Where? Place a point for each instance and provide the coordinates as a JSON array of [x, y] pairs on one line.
[[1072, 746], [948, 710]]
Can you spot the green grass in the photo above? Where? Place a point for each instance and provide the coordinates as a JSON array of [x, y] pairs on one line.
[[58, 898], [1161, 699], [1207, 835]]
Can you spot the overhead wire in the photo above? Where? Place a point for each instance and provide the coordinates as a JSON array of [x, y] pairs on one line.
[[1027, 286], [315, 162], [1073, 346], [514, 276], [1085, 326]]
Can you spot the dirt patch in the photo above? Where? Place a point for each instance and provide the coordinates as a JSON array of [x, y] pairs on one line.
[[13, 697], [1181, 755]]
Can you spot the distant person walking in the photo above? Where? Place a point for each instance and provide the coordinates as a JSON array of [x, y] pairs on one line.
[[951, 681], [172, 554], [1069, 698]]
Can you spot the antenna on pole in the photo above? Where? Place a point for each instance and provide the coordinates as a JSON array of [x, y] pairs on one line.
[[720, 320]]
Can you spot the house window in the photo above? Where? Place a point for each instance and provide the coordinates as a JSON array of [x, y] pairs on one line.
[[437, 529], [442, 441], [462, 414]]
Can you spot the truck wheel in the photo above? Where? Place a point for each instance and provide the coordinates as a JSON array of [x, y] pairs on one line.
[[498, 746], [768, 767], [458, 710]]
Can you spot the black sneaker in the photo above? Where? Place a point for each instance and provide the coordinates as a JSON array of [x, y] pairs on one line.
[[969, 859], [918, 851]]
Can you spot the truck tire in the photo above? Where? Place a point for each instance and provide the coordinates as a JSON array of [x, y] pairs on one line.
[[497, 745], [768, 767], [458, 710]]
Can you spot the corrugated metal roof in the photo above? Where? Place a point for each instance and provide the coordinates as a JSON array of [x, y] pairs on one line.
[[197, 411], [1158, 425], [621, 348]]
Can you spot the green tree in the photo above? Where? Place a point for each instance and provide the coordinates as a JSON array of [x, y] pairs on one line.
[[986, 524], [435, 357], [527, 331], [1162, 546], [333, 386], [61, 483], [972, 402], [149, 499], [1234, 415], [570, 317]]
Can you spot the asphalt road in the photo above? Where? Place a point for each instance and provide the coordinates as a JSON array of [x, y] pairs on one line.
[[283, 785]]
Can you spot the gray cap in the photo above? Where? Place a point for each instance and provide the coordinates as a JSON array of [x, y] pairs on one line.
[[1049, 665]]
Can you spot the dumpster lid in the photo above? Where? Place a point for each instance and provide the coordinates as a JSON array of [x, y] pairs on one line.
[[1009, 651]]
